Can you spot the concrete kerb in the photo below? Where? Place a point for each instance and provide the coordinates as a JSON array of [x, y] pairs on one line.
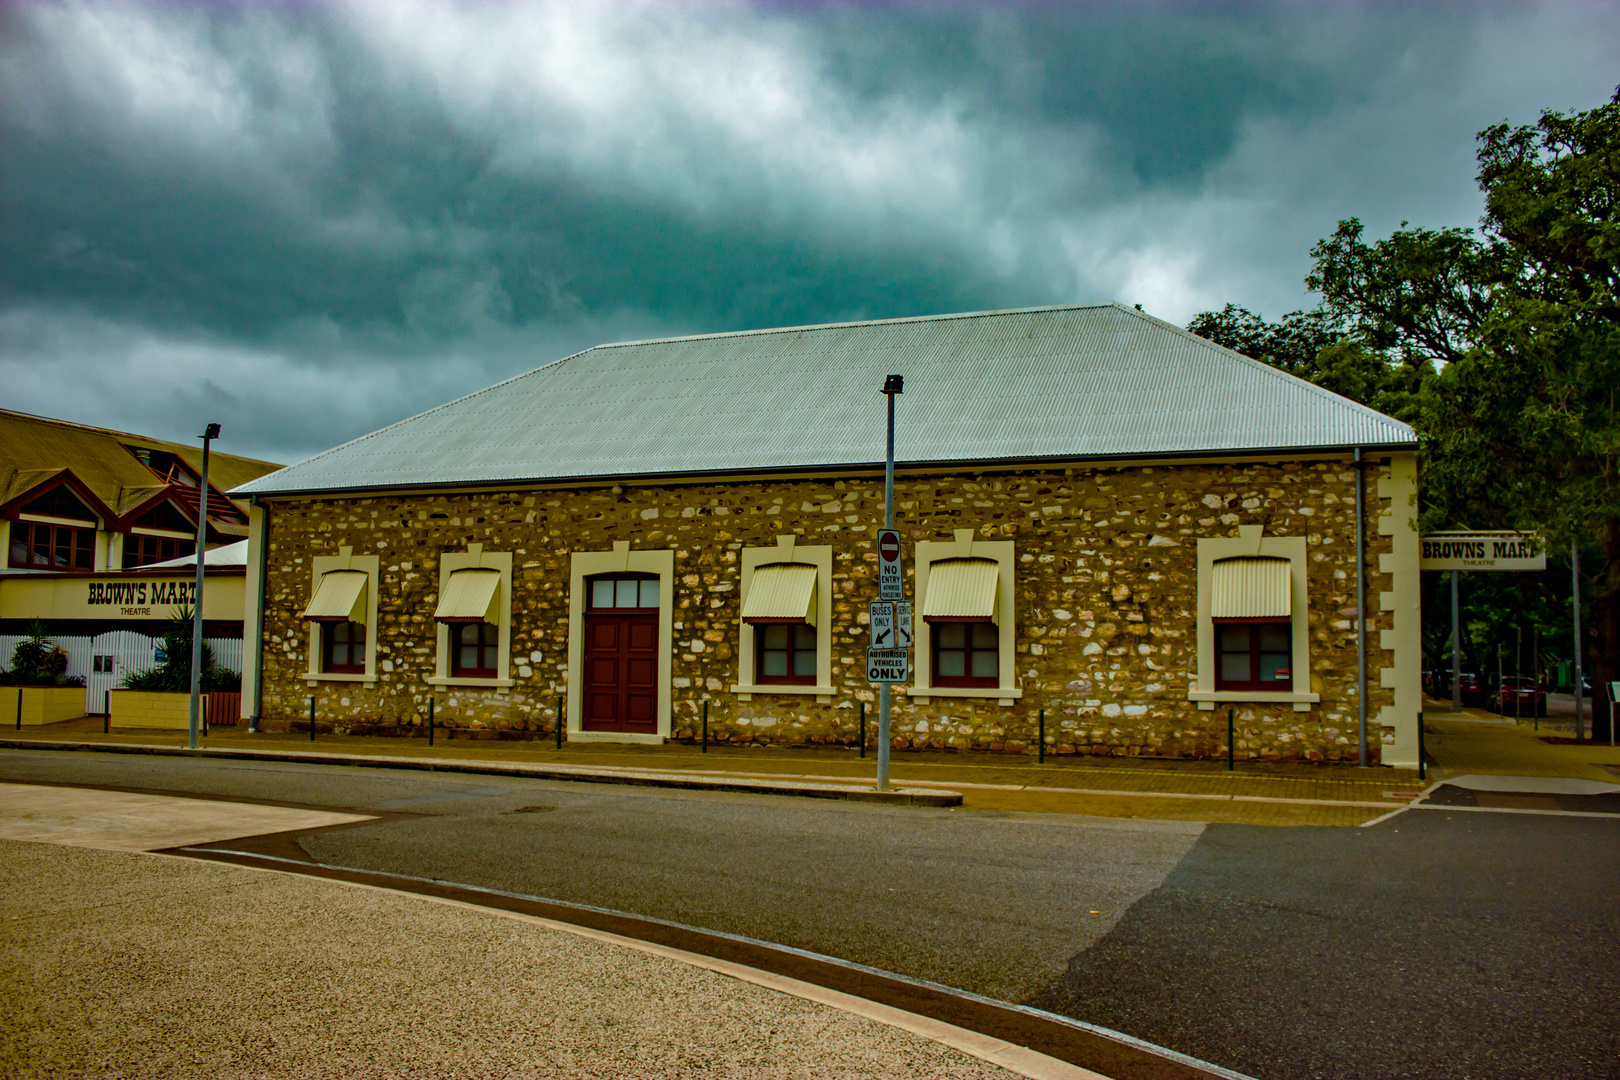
[[578, 773]]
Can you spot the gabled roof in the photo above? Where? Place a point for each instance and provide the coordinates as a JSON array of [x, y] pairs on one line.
[[34, 449], [1057, 383]]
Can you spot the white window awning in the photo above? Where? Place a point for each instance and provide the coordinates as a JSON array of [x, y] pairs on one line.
[[470, 596], [782, 593], [340, 597], [1251, 589], [962, 590]]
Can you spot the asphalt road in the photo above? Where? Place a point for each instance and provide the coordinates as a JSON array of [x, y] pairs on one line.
[[992, 903], [1458, 944], [1435, 945]]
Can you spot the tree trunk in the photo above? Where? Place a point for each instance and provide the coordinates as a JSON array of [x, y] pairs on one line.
[[1604, 629]]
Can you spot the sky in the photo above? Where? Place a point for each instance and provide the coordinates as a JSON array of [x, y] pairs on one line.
[[309, 220]]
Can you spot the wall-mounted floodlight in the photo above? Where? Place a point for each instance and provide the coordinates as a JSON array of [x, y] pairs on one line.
[[894, 384]]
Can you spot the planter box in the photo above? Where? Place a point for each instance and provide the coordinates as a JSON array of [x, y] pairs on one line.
[[41, 705], [166, 709]]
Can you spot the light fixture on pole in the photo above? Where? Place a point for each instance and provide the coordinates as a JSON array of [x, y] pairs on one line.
[[209, 434]]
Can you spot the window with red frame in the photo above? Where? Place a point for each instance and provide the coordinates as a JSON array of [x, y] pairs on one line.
[[1254, 656], [473, 650], [38, 546], [146, 550], [785, 653], [966, 654], [343, 648]]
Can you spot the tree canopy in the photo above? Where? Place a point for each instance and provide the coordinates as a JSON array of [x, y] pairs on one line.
[[1501, 346]]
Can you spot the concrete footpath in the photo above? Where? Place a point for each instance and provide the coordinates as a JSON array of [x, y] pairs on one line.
[[1256, 793], [118, 962]]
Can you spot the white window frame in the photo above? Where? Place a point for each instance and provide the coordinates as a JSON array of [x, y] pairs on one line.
[[1249, 543], [371, 566], [583, 565], [787, 550], [965, 546], [475, 557]]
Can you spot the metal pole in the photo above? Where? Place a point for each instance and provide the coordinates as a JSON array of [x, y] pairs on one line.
[[560, 721], [19, 708], [1535, 666], [106, 711], [1040, 734], [1499, 677], [1518, 674], [208, 436], [1361, 608], [1575, 577], [312, 718], [705, 725], [863, 730], [1229, 732], [1456, 648], [888, 523], [430, 721]]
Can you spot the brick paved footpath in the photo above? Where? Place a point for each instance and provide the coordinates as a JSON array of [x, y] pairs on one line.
[[1260, 793]]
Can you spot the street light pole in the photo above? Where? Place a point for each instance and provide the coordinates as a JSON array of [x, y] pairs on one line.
[[892, 386], [1575, 576], [210, 433]]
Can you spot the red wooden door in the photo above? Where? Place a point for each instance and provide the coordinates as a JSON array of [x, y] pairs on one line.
[[621, 673]]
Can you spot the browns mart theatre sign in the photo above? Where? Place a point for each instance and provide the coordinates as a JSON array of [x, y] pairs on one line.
[[1484, 551]]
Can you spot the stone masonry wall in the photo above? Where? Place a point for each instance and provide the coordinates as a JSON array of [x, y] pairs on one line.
[[1106, 603]]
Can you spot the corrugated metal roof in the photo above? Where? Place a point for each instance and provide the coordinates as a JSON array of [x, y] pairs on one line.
[[34, 449], [1250, 588], [1025, 385], [961, 590], [781, 592]]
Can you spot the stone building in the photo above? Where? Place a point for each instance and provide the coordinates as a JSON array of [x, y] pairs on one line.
[[1106, 519]]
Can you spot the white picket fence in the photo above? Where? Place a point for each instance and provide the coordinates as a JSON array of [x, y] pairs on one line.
[[103, 660]]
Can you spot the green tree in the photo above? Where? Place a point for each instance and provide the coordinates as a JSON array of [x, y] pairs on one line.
[[1502, 348]]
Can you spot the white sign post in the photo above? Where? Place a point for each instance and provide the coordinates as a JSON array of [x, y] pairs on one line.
[[1483, 551], [1459, 551], [891, 584]]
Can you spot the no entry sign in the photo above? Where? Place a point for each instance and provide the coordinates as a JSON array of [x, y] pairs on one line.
[[891, 583]]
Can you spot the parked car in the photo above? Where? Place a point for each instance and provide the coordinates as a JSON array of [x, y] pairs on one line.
[[1520, 696], [1472, 691]]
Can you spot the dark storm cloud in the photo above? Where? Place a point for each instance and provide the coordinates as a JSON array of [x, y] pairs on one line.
[[310, 221]]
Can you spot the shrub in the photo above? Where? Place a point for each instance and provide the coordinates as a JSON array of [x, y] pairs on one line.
[[38, 661], [173, 672]]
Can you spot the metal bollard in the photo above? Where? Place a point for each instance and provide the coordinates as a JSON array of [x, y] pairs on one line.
[[863, 729], [1040, 735], [1229, 739], [705, 725], [1423, 772], [312, 718]]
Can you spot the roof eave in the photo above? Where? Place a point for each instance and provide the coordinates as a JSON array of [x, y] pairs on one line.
[[699, 476]]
